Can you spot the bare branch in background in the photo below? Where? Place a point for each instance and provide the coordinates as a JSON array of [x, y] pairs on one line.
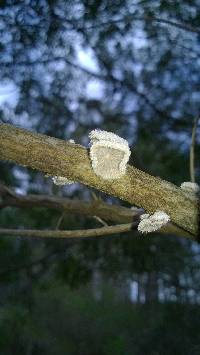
[[86, 233], [60, 219], [96, 232], [97, 209], [127, 83], [131, 17], [101, 221]]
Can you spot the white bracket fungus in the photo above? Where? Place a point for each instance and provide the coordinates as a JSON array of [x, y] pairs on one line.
[[109, 154], [190, 187], [151, 223]]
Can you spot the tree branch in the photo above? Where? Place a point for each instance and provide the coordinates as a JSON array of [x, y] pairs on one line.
[[113, 213], [96, 232], [57, 157], [97, 208], [131, 17], [128, 83]]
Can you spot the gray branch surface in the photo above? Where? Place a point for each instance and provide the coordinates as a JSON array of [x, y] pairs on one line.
[[57, 157]]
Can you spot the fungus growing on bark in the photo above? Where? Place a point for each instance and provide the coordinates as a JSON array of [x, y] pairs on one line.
[[190, 187], [109, 154], [151, 223]]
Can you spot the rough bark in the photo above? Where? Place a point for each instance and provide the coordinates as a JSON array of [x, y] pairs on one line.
[[57, 157]]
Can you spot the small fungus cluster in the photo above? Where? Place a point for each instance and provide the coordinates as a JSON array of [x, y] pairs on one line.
[[189, 187], [151, 223]]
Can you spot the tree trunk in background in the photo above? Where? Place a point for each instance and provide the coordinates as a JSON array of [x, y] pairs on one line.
[[141, 288], [151, 287]]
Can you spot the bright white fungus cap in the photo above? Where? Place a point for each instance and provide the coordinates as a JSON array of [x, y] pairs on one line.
[[60, 180], [189, 186], [109, 154], [151, 223], [98, 134]]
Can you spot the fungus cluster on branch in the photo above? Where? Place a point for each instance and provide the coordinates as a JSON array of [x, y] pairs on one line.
[[109, 155], [151, 223], [190, 188]]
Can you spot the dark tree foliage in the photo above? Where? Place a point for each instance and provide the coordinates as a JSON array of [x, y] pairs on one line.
[[131, 67]]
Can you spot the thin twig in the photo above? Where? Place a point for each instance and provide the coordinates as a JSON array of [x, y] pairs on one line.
[[95, 197], [192, 148], [97, 232], [101, 77], [100, 221], [60, 219], [131, 17], [170, 228]]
